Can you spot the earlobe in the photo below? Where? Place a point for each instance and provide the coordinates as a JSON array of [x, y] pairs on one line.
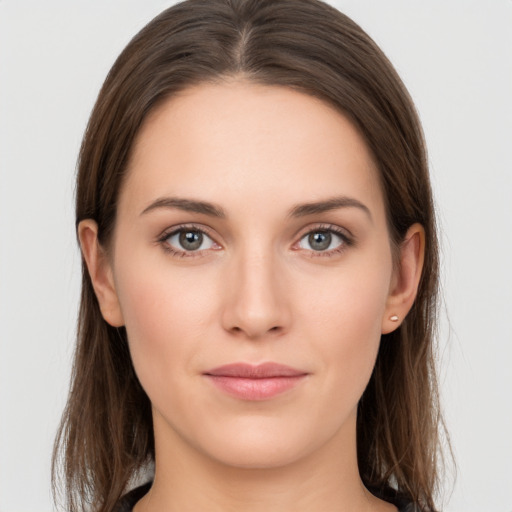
[[100, 272], [406, 278]]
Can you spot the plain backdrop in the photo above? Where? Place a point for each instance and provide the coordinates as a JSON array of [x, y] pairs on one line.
[[455, 57]]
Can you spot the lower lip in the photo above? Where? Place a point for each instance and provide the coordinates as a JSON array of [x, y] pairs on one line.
[[255, 389]]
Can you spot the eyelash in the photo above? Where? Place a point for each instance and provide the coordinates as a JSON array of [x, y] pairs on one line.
[[347, 240], [162, 240]]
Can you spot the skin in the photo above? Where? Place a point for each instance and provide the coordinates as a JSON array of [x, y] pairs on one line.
[[255, 291]]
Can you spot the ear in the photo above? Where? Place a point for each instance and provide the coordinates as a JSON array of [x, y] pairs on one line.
[[406, 278], [100, 271]]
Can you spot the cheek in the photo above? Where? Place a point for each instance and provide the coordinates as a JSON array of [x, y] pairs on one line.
[[344, 318], [349, 300], [166, 316]]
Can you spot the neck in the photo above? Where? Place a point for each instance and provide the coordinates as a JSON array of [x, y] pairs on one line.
[[187, 479]]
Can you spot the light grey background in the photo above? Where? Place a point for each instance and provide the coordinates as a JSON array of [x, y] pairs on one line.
[[456, 58]]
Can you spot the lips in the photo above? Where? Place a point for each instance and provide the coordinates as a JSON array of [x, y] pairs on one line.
[[255, 382]]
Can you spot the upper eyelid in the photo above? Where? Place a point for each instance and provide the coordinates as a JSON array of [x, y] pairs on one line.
[[166, 233], [334, 228]]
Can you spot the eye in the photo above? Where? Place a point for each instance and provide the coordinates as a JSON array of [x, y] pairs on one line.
[[323, 240], [186, 240]]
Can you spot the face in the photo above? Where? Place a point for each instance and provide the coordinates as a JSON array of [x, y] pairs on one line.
[[251, 232]]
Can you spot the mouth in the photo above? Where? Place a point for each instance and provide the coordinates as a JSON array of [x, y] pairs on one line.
[[255, 382]]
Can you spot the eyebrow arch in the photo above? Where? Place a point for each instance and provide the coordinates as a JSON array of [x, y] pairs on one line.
[[333, 203], [188, 205]]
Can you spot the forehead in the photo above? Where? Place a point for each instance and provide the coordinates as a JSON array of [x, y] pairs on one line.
[[238, 141]]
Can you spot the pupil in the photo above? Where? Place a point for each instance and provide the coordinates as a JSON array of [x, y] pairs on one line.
[[320, 240], [191, 240]]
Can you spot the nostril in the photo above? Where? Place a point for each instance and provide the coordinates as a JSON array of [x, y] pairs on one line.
[[238, 330]]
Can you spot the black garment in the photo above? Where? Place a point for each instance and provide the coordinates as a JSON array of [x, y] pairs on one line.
[[127, 502]]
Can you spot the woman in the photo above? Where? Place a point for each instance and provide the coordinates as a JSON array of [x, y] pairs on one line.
[[259, 272]]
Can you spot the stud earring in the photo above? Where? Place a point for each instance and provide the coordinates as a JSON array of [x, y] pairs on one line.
[[394, 318]]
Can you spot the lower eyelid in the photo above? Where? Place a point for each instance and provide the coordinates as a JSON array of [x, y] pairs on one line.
[[326, 254], [183, 254]]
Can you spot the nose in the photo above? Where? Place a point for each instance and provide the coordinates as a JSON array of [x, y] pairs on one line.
[[255, 303]]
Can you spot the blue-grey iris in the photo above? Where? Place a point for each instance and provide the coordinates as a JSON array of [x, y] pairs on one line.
[[191, 240], [320, 240]]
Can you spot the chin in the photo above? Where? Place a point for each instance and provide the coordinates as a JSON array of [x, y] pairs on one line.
[[257, 456], [261, 444]]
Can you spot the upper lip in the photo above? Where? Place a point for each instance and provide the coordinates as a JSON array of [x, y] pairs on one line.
[[250, 371]]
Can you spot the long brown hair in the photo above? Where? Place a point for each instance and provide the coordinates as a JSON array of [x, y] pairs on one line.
[[106, 439]]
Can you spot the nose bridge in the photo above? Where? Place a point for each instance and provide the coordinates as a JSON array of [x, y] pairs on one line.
[[256, 302]]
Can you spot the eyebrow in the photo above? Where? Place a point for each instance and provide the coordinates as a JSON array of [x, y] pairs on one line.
[[300, 210], [188, 205], [334, 203]]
